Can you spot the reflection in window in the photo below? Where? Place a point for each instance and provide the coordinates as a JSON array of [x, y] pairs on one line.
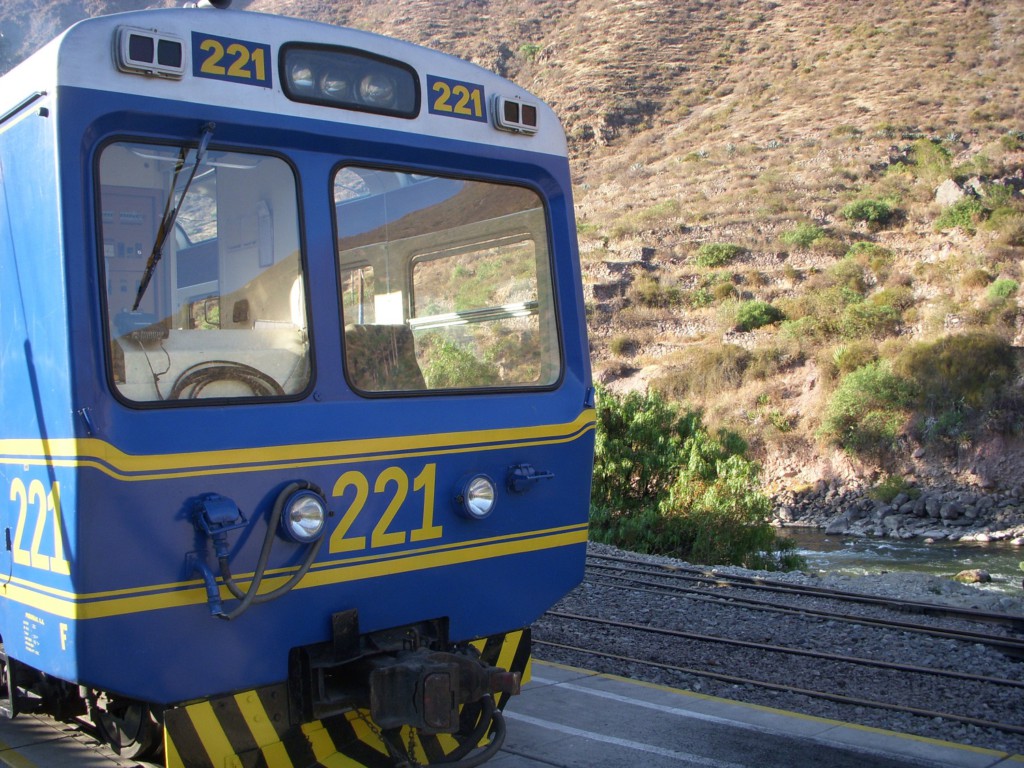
[[445, 283], [217, 310]]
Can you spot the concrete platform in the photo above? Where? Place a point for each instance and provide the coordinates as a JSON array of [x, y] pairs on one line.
[[571, 717]]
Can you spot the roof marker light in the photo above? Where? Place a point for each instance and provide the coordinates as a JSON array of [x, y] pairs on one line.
[[148, 52], [516, 115]]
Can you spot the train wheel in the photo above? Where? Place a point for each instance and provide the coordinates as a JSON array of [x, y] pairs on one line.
[[128, 726], [6, 686]]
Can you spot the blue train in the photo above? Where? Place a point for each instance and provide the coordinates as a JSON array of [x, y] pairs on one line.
[[297, 424]]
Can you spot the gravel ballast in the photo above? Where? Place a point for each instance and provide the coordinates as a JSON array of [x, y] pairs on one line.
[[989, 702]]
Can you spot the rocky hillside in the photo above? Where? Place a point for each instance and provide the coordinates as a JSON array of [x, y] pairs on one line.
[[756, 186]]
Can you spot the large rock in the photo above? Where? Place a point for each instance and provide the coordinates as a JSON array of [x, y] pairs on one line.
[[951, 510], [974, 576], [892, 522], [948, 193], [837, 526]]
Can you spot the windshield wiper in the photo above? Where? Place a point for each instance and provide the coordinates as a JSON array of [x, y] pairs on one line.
[[171, 210]]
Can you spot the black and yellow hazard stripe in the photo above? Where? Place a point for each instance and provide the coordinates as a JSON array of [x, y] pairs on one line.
[[252, 729]]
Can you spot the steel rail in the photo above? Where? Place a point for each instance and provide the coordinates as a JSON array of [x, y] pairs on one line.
[[824, 655], [1009, 646], [759, 583]]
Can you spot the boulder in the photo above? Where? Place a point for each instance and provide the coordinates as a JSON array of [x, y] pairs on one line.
[[951, 510], [892, 522], [948, 193], [973, 576], [837, 526]]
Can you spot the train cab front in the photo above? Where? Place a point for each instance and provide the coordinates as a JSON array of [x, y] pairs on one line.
[[321, 445], [367, 468]]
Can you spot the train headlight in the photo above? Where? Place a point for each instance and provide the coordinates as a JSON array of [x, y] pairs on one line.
[[477, 497], [304, 515], [377, 90], [336, 85], [300, 75], [346, 78]]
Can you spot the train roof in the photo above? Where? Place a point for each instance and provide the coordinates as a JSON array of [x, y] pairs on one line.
[[86, 55]]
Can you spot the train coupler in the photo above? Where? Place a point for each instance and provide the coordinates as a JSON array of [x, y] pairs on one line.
[[270, 726], [427, 689]]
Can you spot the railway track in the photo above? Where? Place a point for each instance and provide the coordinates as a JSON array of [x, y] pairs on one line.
[[619, 573], [951, 673]]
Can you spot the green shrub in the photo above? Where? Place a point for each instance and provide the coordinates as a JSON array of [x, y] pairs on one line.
[[755, 314], [723, 291], [970, 368], [964, 387], [868, 410], [806, 330], [717, 254], [868, 320], [639, 437], [944, 426], [846, 273], [877, 212], [849, 357], [891, 487], [822, 302], [1002, 289], [964, 214], [932, 161], [649, 292], [1012, 140], [872, 256], [877, 317], [900, 297], [530, 50], [621, 345], [719, 514], [976, 278], [454, 365], [706, 371], [663, 484], [803, 235], [699, 298]]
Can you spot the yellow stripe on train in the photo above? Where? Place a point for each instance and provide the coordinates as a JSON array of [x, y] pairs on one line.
[[100, 455], [101, 605]]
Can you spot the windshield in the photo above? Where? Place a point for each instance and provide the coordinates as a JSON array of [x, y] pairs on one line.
[[222, 311], [446, 283]]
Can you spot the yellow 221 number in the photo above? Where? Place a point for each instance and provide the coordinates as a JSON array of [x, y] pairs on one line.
[[393, 483], [47, 506], [234, 60], [457, 99]]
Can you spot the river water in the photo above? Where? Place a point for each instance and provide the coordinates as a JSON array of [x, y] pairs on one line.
[[855, 556]]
